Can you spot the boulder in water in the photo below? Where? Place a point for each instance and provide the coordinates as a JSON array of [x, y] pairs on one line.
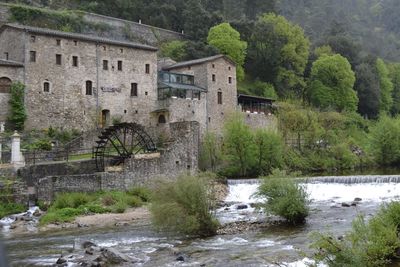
[[357, 199], [61, 260], [344, 204], [242, 207], [181, 257], [115, 257], [354, 204]]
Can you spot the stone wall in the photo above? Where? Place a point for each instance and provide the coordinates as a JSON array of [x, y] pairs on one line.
[[261, 121], [134, 31], [120, 29], [31, 174]]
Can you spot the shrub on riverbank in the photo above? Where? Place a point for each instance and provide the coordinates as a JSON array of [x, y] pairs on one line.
[[284, 197], [371, 244], [68, 206], [184, 206]]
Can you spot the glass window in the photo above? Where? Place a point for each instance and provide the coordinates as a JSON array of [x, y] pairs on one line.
[[89, 88]]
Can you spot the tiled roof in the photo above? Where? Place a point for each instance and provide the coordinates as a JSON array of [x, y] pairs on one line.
[[10, 63], [83, 37], [196, 62]]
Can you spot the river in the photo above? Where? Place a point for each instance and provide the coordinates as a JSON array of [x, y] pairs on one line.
[[269, 246]]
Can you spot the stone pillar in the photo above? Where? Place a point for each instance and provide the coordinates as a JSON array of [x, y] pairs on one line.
[[17, 160]]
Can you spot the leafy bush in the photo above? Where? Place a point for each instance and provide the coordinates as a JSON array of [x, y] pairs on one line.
[[284, 197], [175, 50], [184, 206], [60, 215], [372, 244], [385, 140]]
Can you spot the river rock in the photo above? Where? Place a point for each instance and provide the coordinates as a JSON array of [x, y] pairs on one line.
[[357, 199], [114, 256], [181, 257], [61, 260], [344, 204], [88, 244], [242, 207], [37, 213], [354, 204]]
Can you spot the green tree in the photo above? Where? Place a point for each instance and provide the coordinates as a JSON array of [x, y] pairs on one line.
[[228, 42], [386, 86], [238, 145], [269, 151], [210, 153], [385, 140], [18, 116], [367, 87], [278, 53], [394, 70], [175, 50], [331, 84]]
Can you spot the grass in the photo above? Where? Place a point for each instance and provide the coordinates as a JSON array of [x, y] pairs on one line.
[[11, 208], [80, 156], [67, 206]]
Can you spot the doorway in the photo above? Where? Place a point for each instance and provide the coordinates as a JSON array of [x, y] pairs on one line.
[[105, 118]]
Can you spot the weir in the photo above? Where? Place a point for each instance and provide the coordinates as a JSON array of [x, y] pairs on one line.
[[353, 179]]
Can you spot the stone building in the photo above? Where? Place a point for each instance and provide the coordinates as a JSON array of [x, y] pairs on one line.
[[203, 90], [83, 82], [78, 81]]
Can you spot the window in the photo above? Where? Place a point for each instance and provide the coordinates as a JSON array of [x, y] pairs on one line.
[[58, 41], [75, 42], [58, 59], [229, 68], [213, 66], [189, 68], [134, 89], [147, 68], [161, 119], [6, 55], [229, 80], [220, 98], [32, 56], [46, 87], [121, 50], [33, 38], [213, 78], [89, 88], [74, 61], [5, 85], [105, 64], [104, 48], [120, 65]]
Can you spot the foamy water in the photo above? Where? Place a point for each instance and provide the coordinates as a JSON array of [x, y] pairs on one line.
[[375, 192]]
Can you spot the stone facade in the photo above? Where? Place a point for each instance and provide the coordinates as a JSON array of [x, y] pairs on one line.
[[56, 93], [218, 76]]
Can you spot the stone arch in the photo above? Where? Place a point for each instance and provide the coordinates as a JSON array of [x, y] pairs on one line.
[[5, 85]]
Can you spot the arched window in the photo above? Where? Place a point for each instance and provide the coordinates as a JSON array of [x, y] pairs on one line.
[[46, 87], [89, 88], [161, 119], [5, 85]]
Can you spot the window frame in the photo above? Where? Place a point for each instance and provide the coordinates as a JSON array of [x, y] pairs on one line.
[[59, 59], [88, 90], [219, 98], [134, 90], [32, 56], [75, 61]]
